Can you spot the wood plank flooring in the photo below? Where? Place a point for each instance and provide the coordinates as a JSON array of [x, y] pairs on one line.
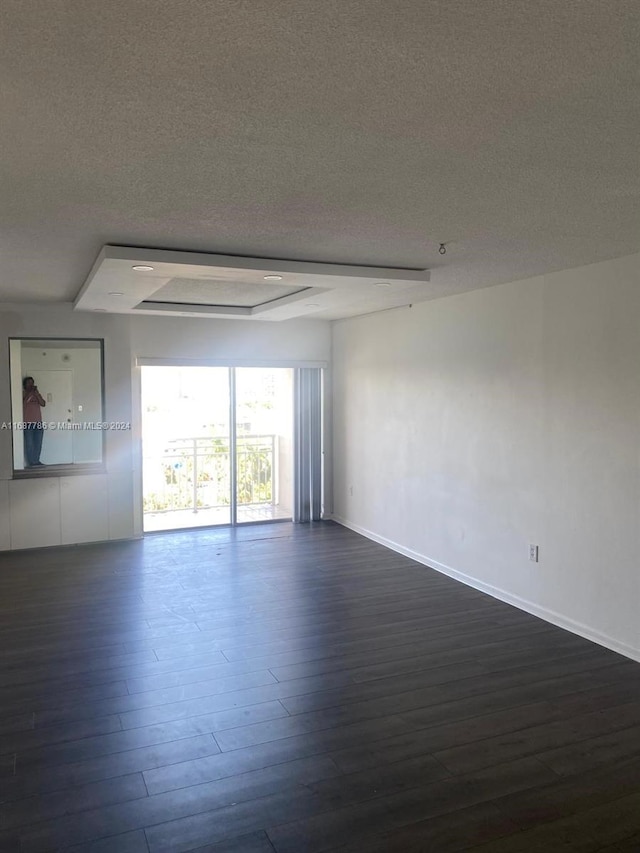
[[299, 689]]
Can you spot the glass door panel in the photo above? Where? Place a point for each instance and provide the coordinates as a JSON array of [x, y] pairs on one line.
[[263, 443], [186, 447]]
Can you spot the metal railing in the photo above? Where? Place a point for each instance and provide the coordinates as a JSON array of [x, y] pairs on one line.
[[195, 473]]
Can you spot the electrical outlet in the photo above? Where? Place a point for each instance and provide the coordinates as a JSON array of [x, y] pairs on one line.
[[533, 553]]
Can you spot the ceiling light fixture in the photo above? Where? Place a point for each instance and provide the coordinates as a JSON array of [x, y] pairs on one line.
[[382, 284], [116, 293], [273, 278], [312, 305], [142, 268]]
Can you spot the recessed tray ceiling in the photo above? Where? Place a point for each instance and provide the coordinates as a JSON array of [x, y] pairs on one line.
[[204, 291], [226, 286]]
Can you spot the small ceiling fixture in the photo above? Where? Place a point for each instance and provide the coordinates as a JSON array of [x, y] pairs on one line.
[[443, 249], [116, 293], [142, 268], [382, 284], [273, 278], [312, 305]]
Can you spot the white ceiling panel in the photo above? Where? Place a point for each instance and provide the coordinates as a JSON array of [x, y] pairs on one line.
[[126, 280]]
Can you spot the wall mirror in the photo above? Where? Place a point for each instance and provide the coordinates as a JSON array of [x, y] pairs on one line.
[[57, 405]]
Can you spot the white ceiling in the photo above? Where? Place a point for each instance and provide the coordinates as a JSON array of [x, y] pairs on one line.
[[358, 132]]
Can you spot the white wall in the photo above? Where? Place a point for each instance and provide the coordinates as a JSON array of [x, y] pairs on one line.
[[59, 510], [231, 340], [471, 426]]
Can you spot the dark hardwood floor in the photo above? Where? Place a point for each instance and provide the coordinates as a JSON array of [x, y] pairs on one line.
[[299, 689]]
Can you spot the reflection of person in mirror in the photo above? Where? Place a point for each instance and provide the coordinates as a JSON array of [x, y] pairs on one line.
[[32, 416]]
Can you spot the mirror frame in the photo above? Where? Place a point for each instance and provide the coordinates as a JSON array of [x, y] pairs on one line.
[[69, 469]]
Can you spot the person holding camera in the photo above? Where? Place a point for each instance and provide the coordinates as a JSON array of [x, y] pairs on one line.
[[32, 403]]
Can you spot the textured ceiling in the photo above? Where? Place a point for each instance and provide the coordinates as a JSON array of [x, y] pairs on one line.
[[344, 131]]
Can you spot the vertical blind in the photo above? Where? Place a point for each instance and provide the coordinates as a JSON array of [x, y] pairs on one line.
[[307, 497]]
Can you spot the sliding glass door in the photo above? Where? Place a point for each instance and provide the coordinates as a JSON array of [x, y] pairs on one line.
[[263, 443], [217, 446]]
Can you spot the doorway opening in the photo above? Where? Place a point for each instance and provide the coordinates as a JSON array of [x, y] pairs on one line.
[[217, 446]]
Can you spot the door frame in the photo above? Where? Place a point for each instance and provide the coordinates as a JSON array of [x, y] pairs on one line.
[[148, 361]]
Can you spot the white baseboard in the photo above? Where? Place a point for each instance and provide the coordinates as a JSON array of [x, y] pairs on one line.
[[502, 595]]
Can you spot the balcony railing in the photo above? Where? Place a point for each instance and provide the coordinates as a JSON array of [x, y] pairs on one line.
[[195, 473]]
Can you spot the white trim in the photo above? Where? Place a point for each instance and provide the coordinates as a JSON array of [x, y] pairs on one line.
[[502, 595], [148, 361]]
